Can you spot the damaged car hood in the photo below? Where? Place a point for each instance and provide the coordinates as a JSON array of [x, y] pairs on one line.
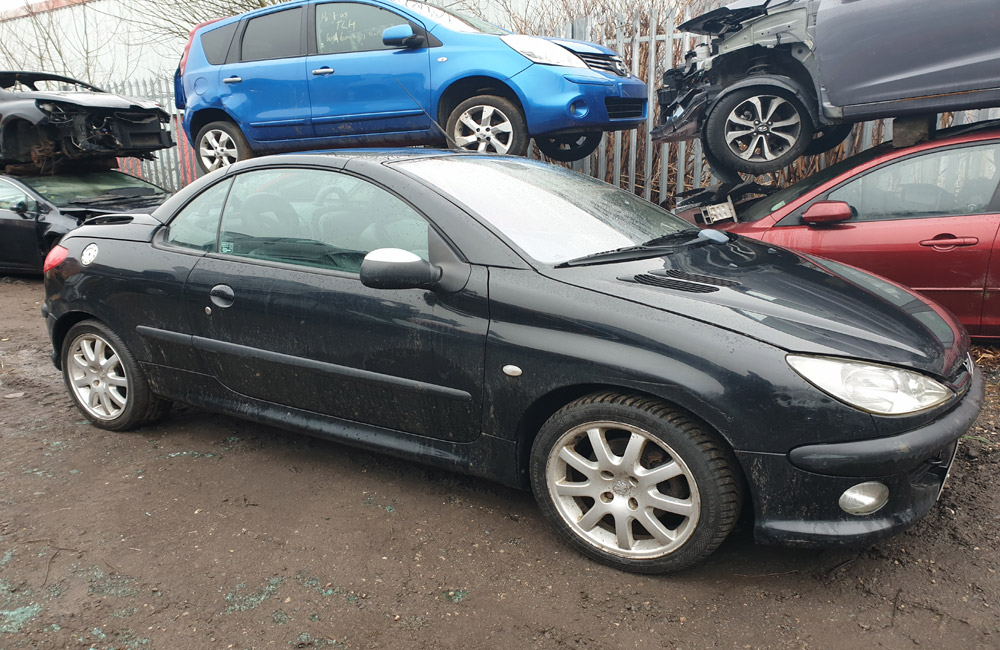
[[727, 19], [96, 100]]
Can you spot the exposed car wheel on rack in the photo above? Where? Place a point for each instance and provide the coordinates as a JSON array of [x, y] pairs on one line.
[[490, 124], [569, 147], [828, 138], [758, 130], [634, 483], [220, 144], [105, 381]]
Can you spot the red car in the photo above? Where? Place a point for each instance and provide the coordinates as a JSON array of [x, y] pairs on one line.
[[924, 216]]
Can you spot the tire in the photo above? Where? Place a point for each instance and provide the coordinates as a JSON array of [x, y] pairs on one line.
[[569, 147], [574, 484], [220, 144], [758, 130], [105, 381], [828, 139], [474, 124]]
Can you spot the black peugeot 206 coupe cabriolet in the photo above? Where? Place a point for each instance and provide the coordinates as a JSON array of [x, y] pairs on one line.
[[506, 318]]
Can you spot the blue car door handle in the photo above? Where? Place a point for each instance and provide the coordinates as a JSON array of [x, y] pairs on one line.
[[222, 295], [232, 80], [323, 71]]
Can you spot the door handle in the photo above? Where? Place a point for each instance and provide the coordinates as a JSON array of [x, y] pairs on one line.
[[222, 295], [232, 80], [950, 242], [322, 72]]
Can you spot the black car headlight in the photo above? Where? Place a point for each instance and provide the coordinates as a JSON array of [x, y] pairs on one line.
[[885, 390]]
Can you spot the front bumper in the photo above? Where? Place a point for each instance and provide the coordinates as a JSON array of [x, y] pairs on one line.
[[571, 100], [683, 100], [796, 504]]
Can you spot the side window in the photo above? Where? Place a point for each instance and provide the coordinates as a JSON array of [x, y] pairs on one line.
[[350, 27], [197, 225], [954, 182], [10, 196], [316, 218], [273, 36], [216, 43]]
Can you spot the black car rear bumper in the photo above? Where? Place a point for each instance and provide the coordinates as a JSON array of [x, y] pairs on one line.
[[797, 506]]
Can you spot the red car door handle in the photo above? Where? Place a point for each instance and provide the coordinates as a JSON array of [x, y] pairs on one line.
[[948, 242]]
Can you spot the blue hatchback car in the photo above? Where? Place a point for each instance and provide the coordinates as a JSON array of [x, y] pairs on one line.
[[318, 74]]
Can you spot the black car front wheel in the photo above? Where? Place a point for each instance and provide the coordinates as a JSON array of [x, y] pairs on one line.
[[634, 483], [569, 147], [105, 381], [758, 130]]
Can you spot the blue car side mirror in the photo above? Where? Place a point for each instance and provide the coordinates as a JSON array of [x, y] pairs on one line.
[[402, 36]]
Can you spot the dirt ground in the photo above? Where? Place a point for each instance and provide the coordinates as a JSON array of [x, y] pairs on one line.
[[207, 532]]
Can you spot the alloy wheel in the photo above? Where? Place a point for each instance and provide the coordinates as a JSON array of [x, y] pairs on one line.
[[217, 149], [762, 128], [623, 490], [483, 128], [97, 377]]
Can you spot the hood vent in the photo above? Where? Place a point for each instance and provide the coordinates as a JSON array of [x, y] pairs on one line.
[[670, 283], [696, 277]]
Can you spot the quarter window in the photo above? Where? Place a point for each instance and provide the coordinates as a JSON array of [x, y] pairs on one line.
[[350, 27], [197, 225], [954, 182], [316, 218], [273, 36]]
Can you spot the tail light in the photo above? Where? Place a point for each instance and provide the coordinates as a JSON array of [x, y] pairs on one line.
[[55, 257], [187, 48]]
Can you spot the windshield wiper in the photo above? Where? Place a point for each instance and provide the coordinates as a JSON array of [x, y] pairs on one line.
[[115, 198], [655, 247]]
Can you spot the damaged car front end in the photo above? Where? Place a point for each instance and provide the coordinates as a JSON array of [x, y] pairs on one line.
[[48, 121]]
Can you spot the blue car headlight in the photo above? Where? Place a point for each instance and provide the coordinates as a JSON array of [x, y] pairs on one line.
[[542, 51]]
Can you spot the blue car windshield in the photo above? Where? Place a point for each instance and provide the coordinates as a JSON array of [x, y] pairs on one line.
[[551, 213], [452, 20]]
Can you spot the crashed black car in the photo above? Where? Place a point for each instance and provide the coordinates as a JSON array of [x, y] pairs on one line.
[[37, 210], [783, 78], [48, 120]]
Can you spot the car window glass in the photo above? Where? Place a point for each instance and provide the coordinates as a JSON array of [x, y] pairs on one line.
[[197, 225], [85, 187], [349, 27], [316, 218], [273, 36], [10, 196], [216, 43], [953, 182]]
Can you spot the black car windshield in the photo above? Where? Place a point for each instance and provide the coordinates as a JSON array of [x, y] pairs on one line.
[[781, 198], [66, 189], [551, 213], [451, 19]]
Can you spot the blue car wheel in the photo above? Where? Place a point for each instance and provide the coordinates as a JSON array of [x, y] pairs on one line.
[[488, 123]]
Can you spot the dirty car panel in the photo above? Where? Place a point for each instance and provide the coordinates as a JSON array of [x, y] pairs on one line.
[[49, 120]]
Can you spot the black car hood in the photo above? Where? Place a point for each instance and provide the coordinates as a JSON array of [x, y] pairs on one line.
[[94, 100], [725, 19], [789, 300]]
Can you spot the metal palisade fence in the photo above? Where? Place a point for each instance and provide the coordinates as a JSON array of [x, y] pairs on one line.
[[628, 159]]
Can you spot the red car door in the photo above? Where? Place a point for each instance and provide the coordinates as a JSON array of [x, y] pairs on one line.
[[927, 221]]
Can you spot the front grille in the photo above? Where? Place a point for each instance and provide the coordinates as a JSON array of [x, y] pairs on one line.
[[620, 108], [605, 63], [670, 283]]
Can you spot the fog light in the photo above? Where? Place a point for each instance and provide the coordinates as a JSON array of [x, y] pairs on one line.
[[864, 498], [579, 109]]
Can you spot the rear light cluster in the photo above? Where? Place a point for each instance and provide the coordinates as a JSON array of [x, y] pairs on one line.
[[55, 257]]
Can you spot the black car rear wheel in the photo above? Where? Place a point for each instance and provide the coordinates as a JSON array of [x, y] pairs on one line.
[[104, 380], [634, 483], [758, 130], [220, 144]]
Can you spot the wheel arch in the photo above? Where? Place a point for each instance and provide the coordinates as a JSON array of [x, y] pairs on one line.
[[540, 410], [207, 116], [61, 328], [467, 87]]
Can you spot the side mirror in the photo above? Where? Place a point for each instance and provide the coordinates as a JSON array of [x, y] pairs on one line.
[[20, 208], [823, 212], [402, 36], [394, 268]]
